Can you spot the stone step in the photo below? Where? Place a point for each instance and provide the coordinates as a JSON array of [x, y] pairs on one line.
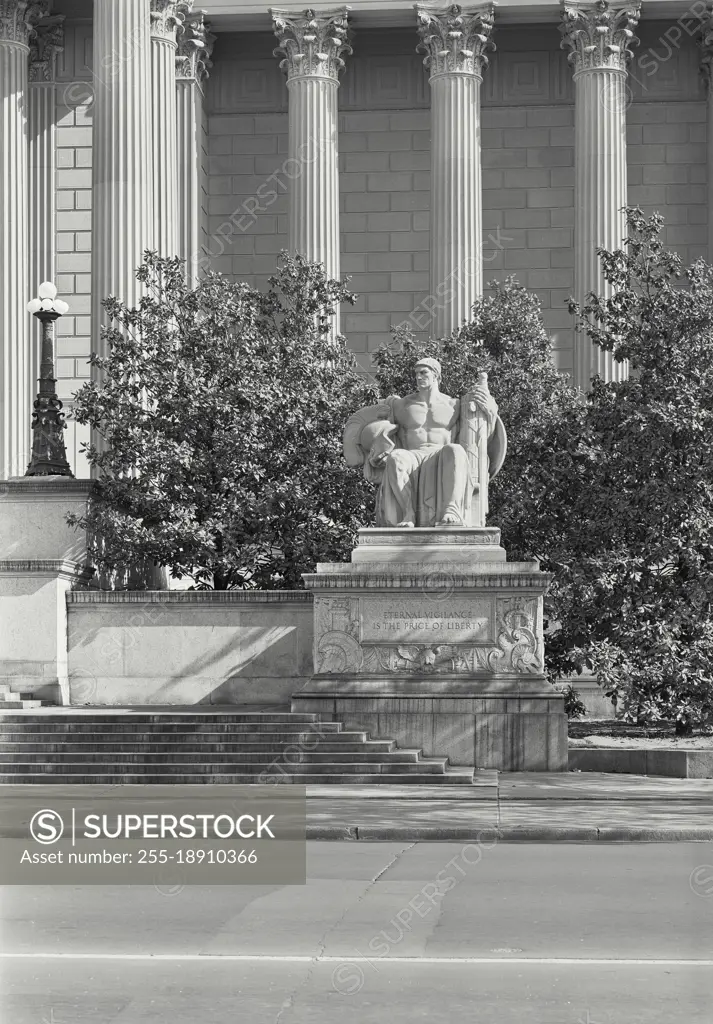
[[18, 702], [72, 717], [208, 767], [338, 743], [75, 727], [168, 747], [204, 756], [449, 778]]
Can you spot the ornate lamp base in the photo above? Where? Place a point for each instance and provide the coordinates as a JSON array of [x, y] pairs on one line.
[[49, 455]]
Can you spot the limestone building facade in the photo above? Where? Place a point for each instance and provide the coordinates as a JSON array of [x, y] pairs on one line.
[[424, 151]]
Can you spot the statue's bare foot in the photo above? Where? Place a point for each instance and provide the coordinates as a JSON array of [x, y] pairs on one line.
[[405, 525], [449, 519]]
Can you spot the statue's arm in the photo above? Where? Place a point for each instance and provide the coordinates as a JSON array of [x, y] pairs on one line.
[[497, 447], [368, 437], [479, 400]]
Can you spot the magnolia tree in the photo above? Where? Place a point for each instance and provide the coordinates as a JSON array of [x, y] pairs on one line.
[[639, 545], [219, 412]]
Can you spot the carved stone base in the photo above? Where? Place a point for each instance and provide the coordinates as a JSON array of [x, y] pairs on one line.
[[445, 655]]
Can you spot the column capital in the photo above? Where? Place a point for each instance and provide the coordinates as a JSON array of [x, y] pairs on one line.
[[195, 45], [19, 17], [599, 35], [311, 42], [46, 43], [705, 41], [167, 16], [455, 39]]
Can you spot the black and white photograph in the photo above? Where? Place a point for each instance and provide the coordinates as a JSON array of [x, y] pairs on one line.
[[356, 512]]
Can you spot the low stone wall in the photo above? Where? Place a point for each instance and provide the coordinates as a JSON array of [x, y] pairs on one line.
[[203, 647], [677, 764]]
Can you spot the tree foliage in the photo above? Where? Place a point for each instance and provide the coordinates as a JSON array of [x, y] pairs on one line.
[[641, 579], [220, 412]]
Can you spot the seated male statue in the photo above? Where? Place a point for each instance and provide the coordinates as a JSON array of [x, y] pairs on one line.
[[432, 454]]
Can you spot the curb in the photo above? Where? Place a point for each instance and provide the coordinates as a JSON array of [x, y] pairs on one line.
[[514, 834]]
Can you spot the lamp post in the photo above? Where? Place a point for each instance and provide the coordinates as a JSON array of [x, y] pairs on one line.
[[49, 456]]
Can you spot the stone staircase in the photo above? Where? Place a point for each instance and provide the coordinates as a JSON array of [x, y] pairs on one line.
[[72, 746]]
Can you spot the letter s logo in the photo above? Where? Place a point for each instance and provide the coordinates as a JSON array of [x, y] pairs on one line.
[[46, 827]]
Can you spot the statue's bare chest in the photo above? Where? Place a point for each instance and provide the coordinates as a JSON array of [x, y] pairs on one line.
[[413, 413]]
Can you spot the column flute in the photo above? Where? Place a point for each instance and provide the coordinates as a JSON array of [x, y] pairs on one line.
[[311, 45], [599, 36], [455, 41]]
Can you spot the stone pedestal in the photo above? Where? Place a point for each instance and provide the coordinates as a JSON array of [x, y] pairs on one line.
[[41, 558], [432, 638]]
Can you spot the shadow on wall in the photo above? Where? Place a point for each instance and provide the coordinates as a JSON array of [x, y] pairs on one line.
[[179, 653]]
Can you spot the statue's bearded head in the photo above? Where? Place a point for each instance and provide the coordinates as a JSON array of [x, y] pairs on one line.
[[428, 372]]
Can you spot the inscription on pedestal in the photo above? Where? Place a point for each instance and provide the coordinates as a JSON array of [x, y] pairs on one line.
[[420, 620]]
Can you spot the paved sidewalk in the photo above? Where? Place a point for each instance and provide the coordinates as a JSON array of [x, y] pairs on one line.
[[529, 807]]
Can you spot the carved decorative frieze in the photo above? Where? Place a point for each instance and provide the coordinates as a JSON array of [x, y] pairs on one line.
[[195, 46], [311, 43], [167, 17], [517, 648], [46, 43], [18, 19], [455, 40], [599, 35]]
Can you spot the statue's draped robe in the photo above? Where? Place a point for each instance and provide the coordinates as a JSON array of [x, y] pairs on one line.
[[424, 485]]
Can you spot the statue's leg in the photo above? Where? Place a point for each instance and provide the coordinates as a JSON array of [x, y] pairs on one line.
[[453, 468], [397, 489]]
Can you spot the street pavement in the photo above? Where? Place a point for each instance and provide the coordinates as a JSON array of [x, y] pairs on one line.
[[525, 806], [489, 932]]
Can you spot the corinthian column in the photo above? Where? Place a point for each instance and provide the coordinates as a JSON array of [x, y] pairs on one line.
[[455, 41], [166, 17], [195, 45], [598, 36], [122, 215], [46, 44], [17, 18], [312, 45]]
